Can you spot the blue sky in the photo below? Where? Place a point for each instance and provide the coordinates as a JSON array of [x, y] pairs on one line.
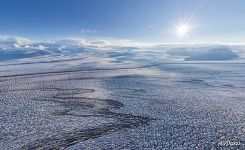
[[141, 20]]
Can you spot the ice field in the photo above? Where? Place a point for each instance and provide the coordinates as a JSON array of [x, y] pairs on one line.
[[121, 99]]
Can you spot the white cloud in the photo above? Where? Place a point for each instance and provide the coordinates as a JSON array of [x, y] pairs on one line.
[[103, 44], [18, 43], [14, 39], [14, 42], [41, 47]]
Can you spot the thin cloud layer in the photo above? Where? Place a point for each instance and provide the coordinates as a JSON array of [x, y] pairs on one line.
[[184, 52], [102, 44]]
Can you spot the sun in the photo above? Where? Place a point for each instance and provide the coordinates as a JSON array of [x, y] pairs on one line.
[[182, 30]]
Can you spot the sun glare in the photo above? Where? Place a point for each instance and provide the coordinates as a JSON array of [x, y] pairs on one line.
[[182, 30]]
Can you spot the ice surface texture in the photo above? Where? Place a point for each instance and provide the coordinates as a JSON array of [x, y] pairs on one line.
[[127, 99]]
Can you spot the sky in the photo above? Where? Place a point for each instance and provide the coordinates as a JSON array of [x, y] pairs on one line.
[[139, 20]]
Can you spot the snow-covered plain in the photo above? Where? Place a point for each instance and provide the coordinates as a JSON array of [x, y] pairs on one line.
[[121, 99]]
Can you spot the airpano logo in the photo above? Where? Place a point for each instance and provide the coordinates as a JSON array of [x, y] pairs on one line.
[[228, 143]]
